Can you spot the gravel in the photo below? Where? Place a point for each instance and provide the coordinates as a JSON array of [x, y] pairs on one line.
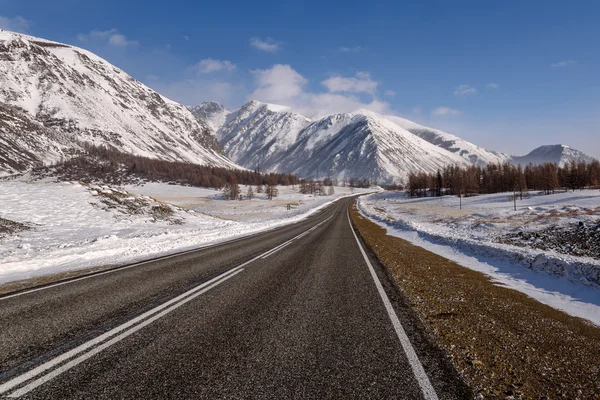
[[580, 239]]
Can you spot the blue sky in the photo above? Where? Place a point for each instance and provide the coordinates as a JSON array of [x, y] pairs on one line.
[[506, 75]]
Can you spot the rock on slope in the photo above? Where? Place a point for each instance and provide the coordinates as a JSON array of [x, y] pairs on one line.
[[53, 95]]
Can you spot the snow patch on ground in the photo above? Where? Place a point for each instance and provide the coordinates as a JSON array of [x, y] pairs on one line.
[[74, 226], [468, 237]]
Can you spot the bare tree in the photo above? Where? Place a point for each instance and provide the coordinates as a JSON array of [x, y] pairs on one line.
[[272, 190]]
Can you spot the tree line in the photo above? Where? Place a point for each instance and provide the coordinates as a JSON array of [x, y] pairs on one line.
[[497, 178], [111, 165]]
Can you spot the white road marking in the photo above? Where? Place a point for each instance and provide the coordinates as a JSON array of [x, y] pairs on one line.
[[424, 383], [40, 381], [102, 342]]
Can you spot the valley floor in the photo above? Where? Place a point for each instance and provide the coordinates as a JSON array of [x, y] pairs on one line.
[[547, 249], [59, 227]]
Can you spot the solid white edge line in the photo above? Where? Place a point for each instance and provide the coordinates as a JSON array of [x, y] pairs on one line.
[[11, 384], [63, 368], [420, 374]]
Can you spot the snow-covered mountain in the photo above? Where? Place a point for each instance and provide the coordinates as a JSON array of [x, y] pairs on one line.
[[555, 153], [54, 95], [467, 150], [362, 144]]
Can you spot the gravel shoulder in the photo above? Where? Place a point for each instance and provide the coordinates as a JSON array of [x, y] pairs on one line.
[[504, 343]]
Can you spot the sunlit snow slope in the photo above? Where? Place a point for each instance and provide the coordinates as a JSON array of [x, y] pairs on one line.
[[52, 95]]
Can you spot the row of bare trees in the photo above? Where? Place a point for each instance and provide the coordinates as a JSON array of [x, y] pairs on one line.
[[105, 163], [497, 178]]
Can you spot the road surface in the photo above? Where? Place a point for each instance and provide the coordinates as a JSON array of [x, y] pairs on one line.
[[299, 312]]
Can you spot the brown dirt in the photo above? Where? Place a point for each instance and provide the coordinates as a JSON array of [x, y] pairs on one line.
[[504, 343]]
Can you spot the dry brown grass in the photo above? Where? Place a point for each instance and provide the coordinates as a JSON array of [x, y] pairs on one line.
[[502, 341]]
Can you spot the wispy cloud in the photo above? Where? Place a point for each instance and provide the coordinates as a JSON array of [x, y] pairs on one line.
[[186, 37], [441, 111], [565, 63], [360, 83], [269, 45], [16, 24], [209, 65], [111, 36], [353, 49], [463, 90], [389, 93], [416, 110], [493, 85]]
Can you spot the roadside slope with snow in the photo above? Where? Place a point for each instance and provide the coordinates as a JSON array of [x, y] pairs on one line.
[[471, 237]]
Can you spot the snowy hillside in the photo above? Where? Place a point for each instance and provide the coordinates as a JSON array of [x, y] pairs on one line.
[[53, 94], [362, 144], [557, 153], [469, 151]]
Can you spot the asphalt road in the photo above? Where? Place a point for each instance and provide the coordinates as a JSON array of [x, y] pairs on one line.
[[298, 312]]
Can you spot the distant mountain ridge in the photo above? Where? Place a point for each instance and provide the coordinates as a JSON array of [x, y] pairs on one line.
[[53, 96], [361, 144]]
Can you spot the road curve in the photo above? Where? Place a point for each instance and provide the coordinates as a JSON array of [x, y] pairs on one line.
[[299, 312]]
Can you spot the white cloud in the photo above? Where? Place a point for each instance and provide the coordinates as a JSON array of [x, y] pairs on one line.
[[441, 111], [493, 85], [281, 84], [269, 45], [462, 90], [565, 63], [360, 83], [111, 36], [389, 93], [353, 49], [16, 24], [186, 37], [209, 65]]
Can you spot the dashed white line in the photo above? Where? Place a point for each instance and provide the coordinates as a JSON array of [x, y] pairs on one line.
[[420, 374]]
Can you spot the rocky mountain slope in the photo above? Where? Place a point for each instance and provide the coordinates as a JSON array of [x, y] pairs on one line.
[[54, 96]]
